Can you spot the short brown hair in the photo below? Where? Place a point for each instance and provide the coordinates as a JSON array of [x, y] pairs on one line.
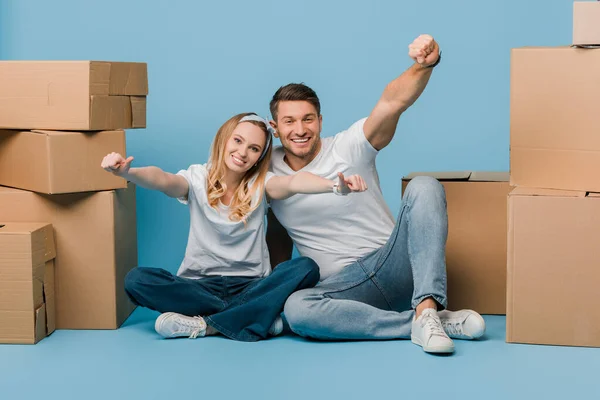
[[294, 92]]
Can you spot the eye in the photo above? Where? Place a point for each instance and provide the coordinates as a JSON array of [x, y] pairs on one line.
[[254, 149], [289, 121], [309, 119], [237, 140]]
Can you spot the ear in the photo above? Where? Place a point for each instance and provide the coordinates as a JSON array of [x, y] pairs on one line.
[[274, 126]]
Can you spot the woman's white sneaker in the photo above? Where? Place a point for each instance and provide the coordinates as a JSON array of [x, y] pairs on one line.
[[428, 333], [463, 324], [171, 325]]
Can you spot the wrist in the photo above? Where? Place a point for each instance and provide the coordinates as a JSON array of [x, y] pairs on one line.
[[436, 62]]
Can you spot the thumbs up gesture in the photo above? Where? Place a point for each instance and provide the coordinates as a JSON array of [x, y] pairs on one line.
[[115, 163]]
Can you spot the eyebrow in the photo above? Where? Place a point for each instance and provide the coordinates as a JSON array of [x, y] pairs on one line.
[[304, 116]]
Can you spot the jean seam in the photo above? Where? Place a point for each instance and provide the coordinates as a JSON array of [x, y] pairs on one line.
[[353, 284]]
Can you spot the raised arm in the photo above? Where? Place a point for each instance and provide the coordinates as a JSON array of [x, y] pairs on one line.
[[152, 178], [402, 92], [282, 187]]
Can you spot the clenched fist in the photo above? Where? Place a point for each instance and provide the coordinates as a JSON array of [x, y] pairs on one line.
[[115, 163], [424, 50]]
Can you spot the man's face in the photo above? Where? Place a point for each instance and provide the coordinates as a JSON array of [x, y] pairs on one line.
[[299, 128]]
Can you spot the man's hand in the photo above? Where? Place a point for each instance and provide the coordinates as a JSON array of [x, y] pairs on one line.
[[424, 50], [353, 183], [115, 163]]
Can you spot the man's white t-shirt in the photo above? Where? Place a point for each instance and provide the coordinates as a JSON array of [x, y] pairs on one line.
[[216, 245], [336, 230]]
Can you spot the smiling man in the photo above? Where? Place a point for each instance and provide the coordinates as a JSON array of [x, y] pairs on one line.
[[381, 278]]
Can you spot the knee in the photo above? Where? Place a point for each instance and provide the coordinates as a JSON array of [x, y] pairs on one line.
[[133, 280], [297, 311], [424, 187], [310, 270]]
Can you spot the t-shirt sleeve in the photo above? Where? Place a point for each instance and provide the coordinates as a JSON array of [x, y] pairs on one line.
[[191, 175], [352, 146]]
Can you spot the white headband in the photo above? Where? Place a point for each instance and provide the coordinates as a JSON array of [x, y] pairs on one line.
[[270, 130]]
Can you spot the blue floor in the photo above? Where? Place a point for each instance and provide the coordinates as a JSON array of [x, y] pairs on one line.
[[134, 363]]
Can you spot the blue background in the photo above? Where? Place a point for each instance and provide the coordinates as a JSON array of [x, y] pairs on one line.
[[210, 60]]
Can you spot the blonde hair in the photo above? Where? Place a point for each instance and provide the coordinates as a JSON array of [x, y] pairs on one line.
[[241, 203]]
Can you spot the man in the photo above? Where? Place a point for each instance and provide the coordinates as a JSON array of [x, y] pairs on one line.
[[381, 279]]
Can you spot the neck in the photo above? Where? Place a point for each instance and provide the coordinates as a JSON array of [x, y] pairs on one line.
[[232, 180], [297, 163]]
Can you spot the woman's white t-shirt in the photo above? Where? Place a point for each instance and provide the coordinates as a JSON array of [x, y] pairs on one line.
[[216, 245]]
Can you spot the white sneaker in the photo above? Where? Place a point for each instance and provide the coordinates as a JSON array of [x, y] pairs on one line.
[[277, 327], [428, 333], [463, 324], [172, 325]]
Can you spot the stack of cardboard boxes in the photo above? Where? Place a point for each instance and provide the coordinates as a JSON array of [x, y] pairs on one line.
[[57, 121], [554, 210], [536, 257]]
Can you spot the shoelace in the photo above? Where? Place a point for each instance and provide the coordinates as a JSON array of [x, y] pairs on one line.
[[453, 328], [196, 323], [435, 326]]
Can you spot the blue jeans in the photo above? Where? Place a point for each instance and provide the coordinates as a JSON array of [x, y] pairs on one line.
[[241, 308], [375, 297]]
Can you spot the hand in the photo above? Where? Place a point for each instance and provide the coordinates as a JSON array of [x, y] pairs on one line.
[[424, 50], [115, 163], [353, 183]]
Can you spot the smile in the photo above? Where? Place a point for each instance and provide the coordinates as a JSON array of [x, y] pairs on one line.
[[300, 140], [237, 161]]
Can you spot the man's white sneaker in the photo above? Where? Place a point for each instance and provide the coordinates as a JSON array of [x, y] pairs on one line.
[[463, 324], [172, 325], [428, 333]]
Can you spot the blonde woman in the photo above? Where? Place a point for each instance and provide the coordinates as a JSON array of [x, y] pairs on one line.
[[225, 283]]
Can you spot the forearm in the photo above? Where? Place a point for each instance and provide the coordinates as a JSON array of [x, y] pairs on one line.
[[152, 178], [282, 187], [305, 182], [403, 91]]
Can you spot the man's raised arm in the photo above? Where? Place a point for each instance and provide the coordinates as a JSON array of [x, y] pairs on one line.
[[402, 92]]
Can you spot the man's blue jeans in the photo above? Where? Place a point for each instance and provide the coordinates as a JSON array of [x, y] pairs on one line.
[[241, 308], [375, 297]]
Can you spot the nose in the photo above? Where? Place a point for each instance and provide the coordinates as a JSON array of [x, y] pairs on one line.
[[243, 151], [299, 128]]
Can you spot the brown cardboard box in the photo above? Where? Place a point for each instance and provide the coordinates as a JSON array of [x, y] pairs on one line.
[[554, 124], [96, 245], [553, 267], [59, 162], [586, 23], [476, 246], [27, 307], [73, 95]]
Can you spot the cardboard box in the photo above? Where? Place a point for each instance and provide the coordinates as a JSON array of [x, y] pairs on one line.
[[73, 95], [553, 267], [59, 162], [27, 306], [476, 246], [96, 245], [586, 23], [554, 124]]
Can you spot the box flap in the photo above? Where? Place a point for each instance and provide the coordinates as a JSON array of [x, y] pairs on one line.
[[138, 111], [523, 191], [118, 78], [442, 176], [490, 176], [40, 323]]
